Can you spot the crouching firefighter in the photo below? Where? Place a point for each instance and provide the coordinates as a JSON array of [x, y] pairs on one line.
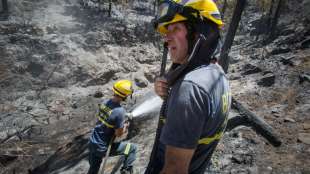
[[111, 123], [195, 90]]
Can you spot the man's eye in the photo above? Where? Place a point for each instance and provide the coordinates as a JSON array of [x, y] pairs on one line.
[[173, 30]]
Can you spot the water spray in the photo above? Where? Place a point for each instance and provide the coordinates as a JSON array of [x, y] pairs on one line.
[[148, 106]]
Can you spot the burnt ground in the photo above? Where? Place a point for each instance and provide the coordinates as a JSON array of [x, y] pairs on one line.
[[59, 59]]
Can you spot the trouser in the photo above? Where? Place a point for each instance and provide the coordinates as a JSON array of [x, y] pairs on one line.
[[124, 148]]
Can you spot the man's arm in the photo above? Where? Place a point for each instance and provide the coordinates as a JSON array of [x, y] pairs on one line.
[[183, 128], [177, 160]]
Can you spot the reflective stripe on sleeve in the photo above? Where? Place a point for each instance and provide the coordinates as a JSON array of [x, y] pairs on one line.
[[209, 140]]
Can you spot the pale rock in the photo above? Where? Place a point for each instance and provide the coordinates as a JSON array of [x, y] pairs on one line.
[[304, 138]]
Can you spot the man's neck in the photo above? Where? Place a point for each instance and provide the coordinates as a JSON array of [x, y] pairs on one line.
[[116, 99]]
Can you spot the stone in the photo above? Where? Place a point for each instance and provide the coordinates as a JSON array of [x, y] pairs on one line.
[[303, 78], [305, 44], [234, 76], [35, 69], [3, 135], [274, 111], [29, 108], [242, 159], [306, 126], [235, 58], [74, 105], [304, 138], [98, 94], [29, 97], [287, 60], [289, 120], [274, 50], [141, 82], [52, 120], [58, 80], [250, 69], [267, 80]]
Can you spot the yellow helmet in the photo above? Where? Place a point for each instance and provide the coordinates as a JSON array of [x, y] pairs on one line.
[[172, 11], [123, 88]]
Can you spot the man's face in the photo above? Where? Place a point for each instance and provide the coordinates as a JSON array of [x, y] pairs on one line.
[[177, 42]]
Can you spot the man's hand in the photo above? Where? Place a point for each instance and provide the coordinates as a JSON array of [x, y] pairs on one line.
[[122, 133], [161, 87]]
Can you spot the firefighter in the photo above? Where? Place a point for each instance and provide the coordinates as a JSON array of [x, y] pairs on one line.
[[195, 88], [111, 123]]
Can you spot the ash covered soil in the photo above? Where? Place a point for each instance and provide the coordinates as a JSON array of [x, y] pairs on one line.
[[60, 58]]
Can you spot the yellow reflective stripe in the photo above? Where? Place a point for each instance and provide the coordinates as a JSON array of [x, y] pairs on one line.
[[105, 109], [162, 119], [104, 122], [126, 152], [217, 136], [209, 140], [104, 113]]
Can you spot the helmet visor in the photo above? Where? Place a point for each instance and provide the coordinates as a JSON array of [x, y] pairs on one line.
[[166, 12]]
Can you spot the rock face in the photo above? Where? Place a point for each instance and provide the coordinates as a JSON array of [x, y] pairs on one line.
[[60, 58]]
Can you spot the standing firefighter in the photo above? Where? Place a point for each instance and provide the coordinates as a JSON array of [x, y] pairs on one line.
[[111, 123], [195, 89]]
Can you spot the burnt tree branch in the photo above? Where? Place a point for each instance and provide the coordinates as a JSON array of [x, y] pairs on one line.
[[249, 119]]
